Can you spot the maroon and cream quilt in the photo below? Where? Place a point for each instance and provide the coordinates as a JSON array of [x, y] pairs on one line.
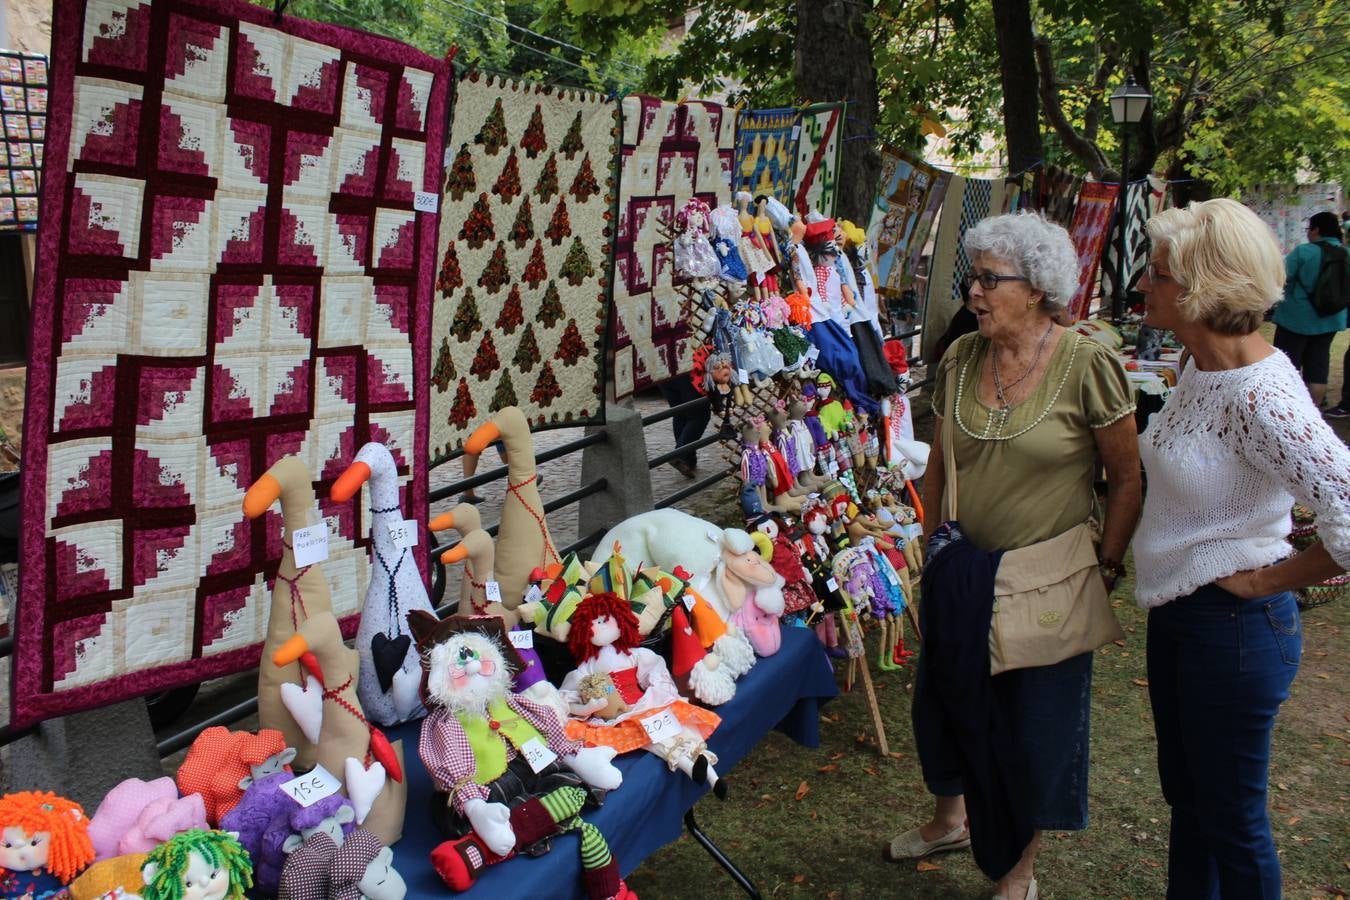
[[231, 269], [671, 152]]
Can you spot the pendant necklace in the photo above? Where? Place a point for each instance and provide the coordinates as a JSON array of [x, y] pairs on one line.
[[1002, 390]]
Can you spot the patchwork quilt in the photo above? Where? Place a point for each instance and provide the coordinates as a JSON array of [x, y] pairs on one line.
[[1091, 225], [818, 149], [23, 105], [908, 199], [524, 264], [766, 152], [670, 153], [232, 268]]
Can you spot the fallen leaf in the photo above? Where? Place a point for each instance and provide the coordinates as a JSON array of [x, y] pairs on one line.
[[802, 789], [1141, 682], [798, 879], [925, 866], [896, 754], [1119, 643], [1282, 786], [840, 755], [766, 797], [830, 768], [1323, 675], [870, 771], [1153, 864], [1294, 821]]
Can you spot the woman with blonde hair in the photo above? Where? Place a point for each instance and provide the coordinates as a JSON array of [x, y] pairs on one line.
[[1236, 443]]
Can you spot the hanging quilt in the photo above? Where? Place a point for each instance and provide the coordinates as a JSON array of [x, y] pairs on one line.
[[943, 295], [1287, 208], [975, 206], [1058, 190], [911, 192], [520, 300], [1091, 225], [1143, 200], [819, 147], [229, 271], [766, 152], [671, 152], [23, 105]]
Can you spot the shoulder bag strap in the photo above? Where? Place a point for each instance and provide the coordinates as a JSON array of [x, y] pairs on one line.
[[948, 441]]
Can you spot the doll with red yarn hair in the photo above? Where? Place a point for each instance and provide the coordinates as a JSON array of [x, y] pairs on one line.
[[44, 844], [619, 685]]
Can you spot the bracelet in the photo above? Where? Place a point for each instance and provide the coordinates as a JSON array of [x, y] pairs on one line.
[[1111, 569]]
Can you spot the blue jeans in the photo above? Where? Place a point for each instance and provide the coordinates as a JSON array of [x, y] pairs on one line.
[[1218, 669]]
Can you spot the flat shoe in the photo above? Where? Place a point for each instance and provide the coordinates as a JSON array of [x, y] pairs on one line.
[[911, 844], [1033, 892]]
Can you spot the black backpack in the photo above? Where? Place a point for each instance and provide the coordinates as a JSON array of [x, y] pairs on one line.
[[1331, 292]]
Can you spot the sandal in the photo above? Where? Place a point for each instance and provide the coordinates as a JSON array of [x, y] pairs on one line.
[[911, 845], [1033, 892]]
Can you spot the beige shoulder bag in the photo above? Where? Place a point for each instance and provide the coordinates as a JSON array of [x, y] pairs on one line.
[[1050, 602]]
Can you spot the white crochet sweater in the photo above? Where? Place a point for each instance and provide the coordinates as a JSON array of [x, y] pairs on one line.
[[1225, 458]]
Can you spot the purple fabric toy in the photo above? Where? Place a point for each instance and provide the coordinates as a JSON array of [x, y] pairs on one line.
[[533, 673], [266, 816]]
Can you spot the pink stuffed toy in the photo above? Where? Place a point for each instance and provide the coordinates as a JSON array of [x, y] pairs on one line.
[[122, 808], [161, 820]]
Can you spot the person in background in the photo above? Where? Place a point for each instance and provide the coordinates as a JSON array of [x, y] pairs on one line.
[[1034, 406], [689, 426], [1342, 410], [1235, 444], [963, 322], [1303, 335]]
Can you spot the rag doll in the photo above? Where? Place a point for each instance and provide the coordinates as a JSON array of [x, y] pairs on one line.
[[784, 497], [726, 242], [197, 865], [305, 875], [799, 265], [754, 471], [867, 438], [695, 258], [758, 262], [785, 557], [44, 843], [721, 386], [137, 816], [111, 879], [269, 824], [604, 642], [221, 764], [794, 439], [507, 778], [818, 558]]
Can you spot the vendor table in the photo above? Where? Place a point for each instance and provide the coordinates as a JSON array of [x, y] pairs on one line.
[[783, 692]]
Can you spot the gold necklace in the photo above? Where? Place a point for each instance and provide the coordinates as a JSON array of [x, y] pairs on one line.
[[1000, 389]]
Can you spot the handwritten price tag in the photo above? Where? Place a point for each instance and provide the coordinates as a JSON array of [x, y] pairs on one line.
[[404, 534], [311, 544], [742, 376], [813, 353], [533, 595], [522, 640], [689, 602], [426, 201], [312, 787], [494, 592], [537, 755], [661, 726], [832, 584]]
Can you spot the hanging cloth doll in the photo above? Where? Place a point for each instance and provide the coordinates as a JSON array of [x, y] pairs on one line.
[[837, 353], [618, 684], [726, 243], [754, 464], [757, 259], [694, 256]]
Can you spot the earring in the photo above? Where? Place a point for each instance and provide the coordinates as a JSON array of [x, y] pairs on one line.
[[1032, 304]]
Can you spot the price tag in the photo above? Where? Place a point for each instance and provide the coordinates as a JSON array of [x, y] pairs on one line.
[[661, 726], [426, 201], [312, 787], [796, 132], [311, 544], [834, 467], [494, 592], [537, 755], [813, 353], [689, 601], [523, 639], [404, 534], [533, 595], [891, 577], [742, 376], [832, 584]]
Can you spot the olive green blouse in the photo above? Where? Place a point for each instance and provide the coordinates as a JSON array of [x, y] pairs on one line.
[[1026, 475]]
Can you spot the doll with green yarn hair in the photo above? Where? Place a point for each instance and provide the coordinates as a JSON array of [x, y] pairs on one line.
[[198, 865]]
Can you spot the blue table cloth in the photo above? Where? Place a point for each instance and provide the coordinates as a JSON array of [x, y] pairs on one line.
[[783, 692]]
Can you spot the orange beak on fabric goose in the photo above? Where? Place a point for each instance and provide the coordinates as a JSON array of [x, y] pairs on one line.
[[261, 495], [484, 435], [457, 553], [442, 522], [350, 481]]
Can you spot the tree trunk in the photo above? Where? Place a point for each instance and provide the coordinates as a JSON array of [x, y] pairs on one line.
[[1017, 65], [834, 62]]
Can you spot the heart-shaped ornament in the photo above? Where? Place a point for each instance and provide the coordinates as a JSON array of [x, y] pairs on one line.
[[305, 704], [363, 785], [387, 654]]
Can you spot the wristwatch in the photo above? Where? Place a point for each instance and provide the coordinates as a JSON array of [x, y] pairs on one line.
[[1112, 571]]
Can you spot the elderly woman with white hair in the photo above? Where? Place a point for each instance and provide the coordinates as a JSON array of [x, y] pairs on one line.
[[1236, 443], [1034, 407]]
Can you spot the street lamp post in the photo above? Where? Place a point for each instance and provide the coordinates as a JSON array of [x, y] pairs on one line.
[[1128, 103]]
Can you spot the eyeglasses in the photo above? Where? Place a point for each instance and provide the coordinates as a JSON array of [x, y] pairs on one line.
[[989, 281]]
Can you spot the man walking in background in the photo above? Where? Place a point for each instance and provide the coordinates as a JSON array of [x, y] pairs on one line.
[[1302, 332]]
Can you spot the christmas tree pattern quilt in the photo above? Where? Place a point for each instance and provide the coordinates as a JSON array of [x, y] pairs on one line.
[[671, 153], [229, 271], [521, 292]]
